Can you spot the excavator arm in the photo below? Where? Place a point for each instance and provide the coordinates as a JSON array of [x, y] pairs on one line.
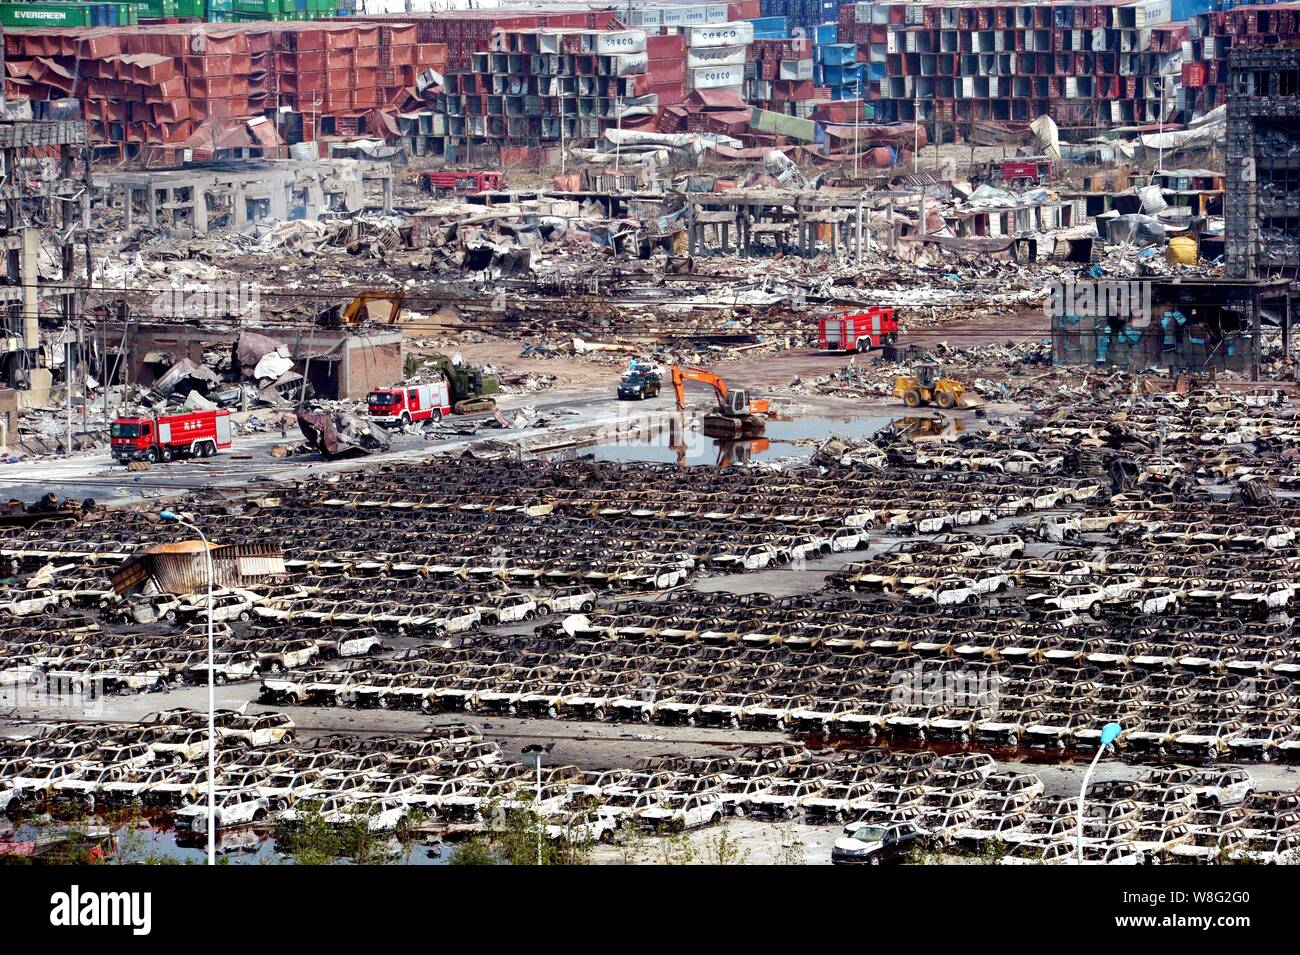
[[680, 375], [358, 309]]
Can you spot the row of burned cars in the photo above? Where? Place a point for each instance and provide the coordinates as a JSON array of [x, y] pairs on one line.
[[864, 664], [1207, 436], [627, 527], [159, 641], [890, 805]]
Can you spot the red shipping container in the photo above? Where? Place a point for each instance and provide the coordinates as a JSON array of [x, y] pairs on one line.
[[218, 65], [162, 92], [205, 87], [667, 46], [175, 111], [431, 54], [665, 71], [335, 37], [300, 83], [746, 10], [304, 61], [1193, 75]]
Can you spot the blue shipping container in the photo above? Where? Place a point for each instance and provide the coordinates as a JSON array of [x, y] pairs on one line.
[[838, 54], [1186, 9]]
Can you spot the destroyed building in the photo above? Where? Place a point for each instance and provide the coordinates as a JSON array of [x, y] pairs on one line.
[[338, 364], [1263, 190], [232, 194], [42, 226], [1178, 324]]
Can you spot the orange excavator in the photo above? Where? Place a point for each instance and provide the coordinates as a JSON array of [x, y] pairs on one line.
[[738, 414]]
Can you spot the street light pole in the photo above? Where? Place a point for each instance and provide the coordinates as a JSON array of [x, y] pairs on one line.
[[535, 751], [618, 119], [1109, 733], [857, 121], [212, 706]]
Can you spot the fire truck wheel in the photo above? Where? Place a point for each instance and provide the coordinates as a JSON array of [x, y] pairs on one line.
[[152, 455], [437, 415], [864, 345], [166, 454], [406, 419]]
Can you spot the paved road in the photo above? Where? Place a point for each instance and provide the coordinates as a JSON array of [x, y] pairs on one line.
[[250, 460]]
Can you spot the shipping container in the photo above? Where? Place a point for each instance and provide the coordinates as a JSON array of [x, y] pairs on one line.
[[727, 34], [768, 121]]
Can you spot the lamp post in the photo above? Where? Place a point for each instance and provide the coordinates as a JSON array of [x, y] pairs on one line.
[[1109, 733], [857, 121], [534, 752], [618, 119], [212, 706]]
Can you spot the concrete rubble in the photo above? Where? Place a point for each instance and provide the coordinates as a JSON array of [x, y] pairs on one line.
[[788, 473]]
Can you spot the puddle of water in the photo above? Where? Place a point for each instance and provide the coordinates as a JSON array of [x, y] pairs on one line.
[[693, 448], [154, 838]]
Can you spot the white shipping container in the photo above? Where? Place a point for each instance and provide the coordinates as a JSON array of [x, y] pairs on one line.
[[796, 69], [716, 77], [1150, 13], [701, 14], [708, 56], [630, 64], [672, 16], [726, 34], [645, 17], [610, 42]]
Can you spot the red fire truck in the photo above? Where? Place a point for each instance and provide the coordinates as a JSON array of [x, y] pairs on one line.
[[857, 331], [1023, 173], [197, 434], [446, 183], [404, 404]]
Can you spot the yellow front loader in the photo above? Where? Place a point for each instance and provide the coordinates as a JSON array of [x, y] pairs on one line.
[[926, 387]]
